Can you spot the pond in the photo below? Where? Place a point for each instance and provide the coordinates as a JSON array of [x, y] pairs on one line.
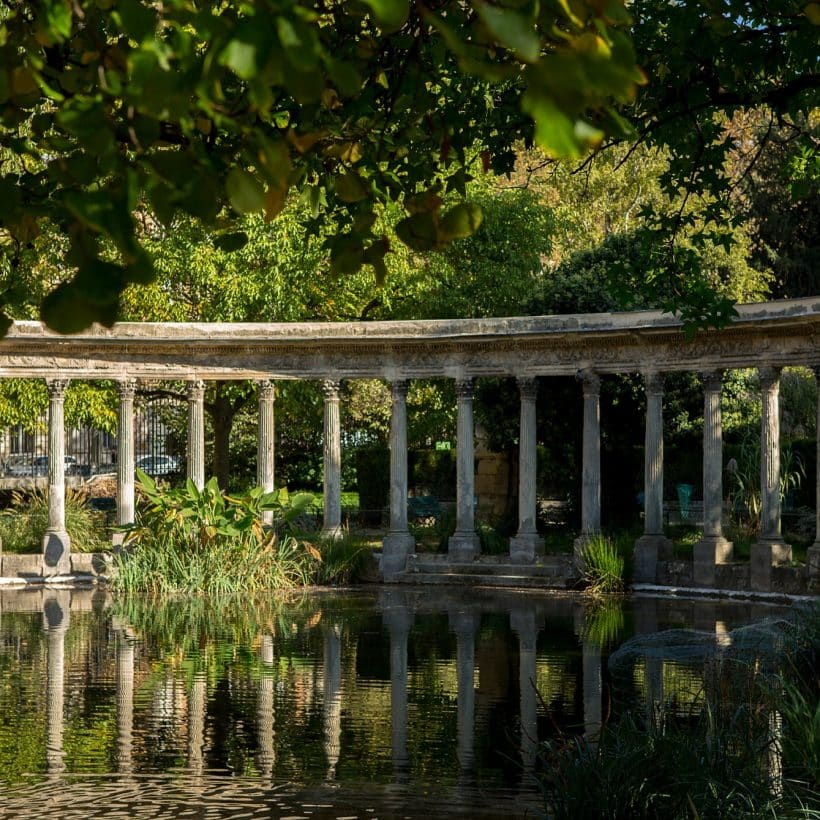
[[383, 703]]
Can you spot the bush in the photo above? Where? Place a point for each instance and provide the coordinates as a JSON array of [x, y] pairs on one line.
[[603, 566], [23, 525]]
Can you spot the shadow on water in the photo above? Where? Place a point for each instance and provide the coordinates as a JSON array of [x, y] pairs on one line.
[[384, 703]]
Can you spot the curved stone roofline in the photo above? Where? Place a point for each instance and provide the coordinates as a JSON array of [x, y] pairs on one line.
[[774, 334]]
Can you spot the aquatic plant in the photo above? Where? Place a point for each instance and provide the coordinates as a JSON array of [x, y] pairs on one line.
[[23, 525], [603, 566]]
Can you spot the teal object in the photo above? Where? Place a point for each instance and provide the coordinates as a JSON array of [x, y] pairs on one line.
[[684, 497]]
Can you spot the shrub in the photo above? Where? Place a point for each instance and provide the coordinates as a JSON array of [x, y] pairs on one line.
[[23, 525], [603, 566]]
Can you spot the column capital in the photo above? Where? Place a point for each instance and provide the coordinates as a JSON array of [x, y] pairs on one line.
[[653, 383], [267, 390], [399, 389], [196, 390], [56, 388], [127, 389], [527, 387], [590, 382], [464, 388], [712, 381], [331, 388], [769, 378]]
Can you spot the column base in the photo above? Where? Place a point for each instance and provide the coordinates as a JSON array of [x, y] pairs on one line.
[[524, 547], [332, 533], [649, 550], [766, 554], [812, 561], [56, 553], [463, 546], [396, 546], [707, 554]]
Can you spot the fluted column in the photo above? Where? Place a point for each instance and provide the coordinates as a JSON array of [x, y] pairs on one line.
[[197, 703], [125, 701], [332, 527], [813, 554], [770, 549], [265, 443], [56, 621], [398, 543], [266, 757], [125, 455], [523, 624], [332, 687], [652, 546], [56, 542], [196, 432], [713, 548], [526, 543], [464, 543], [591, 467], [465, 626], [398, 621]]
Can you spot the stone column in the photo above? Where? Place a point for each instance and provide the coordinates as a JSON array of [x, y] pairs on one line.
[[197, 702], [770, 549], [55, 621], [56, 543], [465, 626], [464, 544], [523, 624], [398, 621], [332, 687], [813, 553], [265, 444], [125, 701], [398, 543], [196, 432], [266, 755], [591, 469], [125, 456], [526, 543], [713, 548], [652, 546], [332, 527]]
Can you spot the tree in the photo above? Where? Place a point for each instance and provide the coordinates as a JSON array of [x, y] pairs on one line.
[[219, 109]]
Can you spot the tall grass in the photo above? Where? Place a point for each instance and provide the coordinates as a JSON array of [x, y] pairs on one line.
[[603, 566], [23, 525]]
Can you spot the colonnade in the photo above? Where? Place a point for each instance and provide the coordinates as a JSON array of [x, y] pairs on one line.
[[711, 551]]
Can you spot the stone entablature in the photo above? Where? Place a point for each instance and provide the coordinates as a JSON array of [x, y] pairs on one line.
[[773, 334]]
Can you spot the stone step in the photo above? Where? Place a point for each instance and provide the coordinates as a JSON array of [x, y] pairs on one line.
[[494, 580], [548, 568]]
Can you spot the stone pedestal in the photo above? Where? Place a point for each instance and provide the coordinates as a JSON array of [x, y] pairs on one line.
[[464, 544], [265, 448], [526, 543], [56, 541], [196, 432], [125, 456], [332, 524], [398, 543], [652, 546], [770, 550], [713, 548]]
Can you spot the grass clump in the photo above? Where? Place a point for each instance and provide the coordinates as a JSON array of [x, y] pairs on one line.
[[603, 566], [23, 525], [206, 542]]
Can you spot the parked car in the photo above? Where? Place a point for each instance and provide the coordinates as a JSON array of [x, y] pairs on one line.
[[158, 465], [71, 466], [19, 466]]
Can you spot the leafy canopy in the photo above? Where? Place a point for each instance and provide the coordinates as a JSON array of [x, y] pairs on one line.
[[109, 108]]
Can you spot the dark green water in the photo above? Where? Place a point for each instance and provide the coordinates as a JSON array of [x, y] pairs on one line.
[[361, 704]]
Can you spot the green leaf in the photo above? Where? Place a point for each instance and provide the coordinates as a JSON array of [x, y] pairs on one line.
[[57, 15], [511, 29], [137, 19], [418, 231], [244, 191], [462, 221], [555, 132], [390, 14], [240, 57]]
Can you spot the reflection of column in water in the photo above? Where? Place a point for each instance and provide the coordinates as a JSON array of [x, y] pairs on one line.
[[332, 686], [56, 620], [398, 621], [653, 676], [775, 753], [465, 625], [264, 708], [523, 624], [125, 701], [591, 659], [196, 723]]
